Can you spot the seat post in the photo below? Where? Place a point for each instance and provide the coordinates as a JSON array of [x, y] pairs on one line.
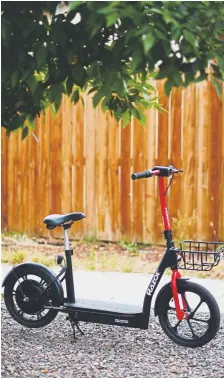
[[69, 273]]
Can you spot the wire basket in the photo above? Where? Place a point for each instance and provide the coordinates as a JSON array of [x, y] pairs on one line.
[[200, 256]]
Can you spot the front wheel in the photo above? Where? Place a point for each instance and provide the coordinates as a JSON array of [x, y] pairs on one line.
[[203, 316]]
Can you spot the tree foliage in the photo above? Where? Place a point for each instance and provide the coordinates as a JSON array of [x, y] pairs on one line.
[[108, 48]]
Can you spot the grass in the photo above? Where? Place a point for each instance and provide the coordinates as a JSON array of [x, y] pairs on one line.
[[127, 269], [44, 260], [90, 263], [18, 257], [107, 257], [131, 247]]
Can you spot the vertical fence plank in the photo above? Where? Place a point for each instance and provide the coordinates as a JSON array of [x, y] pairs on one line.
[[32, 145], [67, 157], [125, 183], [113, 220], [162, 152], [175, 151], [163, 131], [202, 114], [43, 169], [188, 153], [150, 194], [24, 170], [39, 183], [213, 157], [4, 174], [19, 184], [91, 125], [78, 189], [139, 134], [12, 158], [101, 174], [221, 178], [56, 162]]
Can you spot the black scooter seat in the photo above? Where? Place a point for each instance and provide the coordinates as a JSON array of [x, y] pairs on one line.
[[55, 220]]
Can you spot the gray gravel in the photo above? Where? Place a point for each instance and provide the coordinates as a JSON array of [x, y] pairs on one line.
[[104, 352]]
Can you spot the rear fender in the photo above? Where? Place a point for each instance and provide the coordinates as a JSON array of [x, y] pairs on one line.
[[164, 292], [24, 268]]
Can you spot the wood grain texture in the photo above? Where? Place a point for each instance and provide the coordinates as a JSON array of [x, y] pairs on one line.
[[203, 108], [125, 183], [78, 162], [84, 159], [101, 186], [113, 219], [4, 183], [56, 164], [139, 135], [91, 125], [175, 151]]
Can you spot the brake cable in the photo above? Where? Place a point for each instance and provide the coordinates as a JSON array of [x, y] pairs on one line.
[[169, 184]]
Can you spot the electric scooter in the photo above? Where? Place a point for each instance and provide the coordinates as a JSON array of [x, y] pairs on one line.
[[33, 294]]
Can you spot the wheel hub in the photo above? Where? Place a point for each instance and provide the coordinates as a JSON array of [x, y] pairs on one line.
[[29, 298]]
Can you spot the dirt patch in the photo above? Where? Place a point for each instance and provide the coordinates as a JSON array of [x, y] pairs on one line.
[[99, 256]]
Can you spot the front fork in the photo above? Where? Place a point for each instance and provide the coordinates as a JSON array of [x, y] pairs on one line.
[[179, 312]]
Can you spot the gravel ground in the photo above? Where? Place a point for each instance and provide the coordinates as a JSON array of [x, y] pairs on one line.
[[103, 352]]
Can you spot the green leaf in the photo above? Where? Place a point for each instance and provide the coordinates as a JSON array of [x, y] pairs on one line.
[[32, 83], [191, 38], [31, 123], [69, 85], [111, 19], [73, 5], [220, 61], [26, 74], [15, 79], [97, 97], [79, 75], [136, 113], [218, 88], [41, 56], [25, 132], [177, 78], [126, 118], [56, 94], [17, 122], [75, 96], [168, 87], [148, 42], [136, 59], [104, 105], [62, 38], [53, 111]]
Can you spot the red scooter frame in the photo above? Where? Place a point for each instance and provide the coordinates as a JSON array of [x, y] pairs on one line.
[[175, 273], [164, 172]]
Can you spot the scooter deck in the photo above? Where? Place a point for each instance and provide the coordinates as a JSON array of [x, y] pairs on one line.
[[97, 305]]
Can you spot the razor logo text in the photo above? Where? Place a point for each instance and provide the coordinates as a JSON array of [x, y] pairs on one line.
[[153, 283]]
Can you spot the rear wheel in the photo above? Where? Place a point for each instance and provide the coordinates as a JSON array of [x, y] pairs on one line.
[[203, 316], [25, 297]]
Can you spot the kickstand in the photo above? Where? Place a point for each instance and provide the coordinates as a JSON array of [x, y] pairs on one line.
[[75, 323]]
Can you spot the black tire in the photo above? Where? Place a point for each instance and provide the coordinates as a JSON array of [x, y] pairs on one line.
[[29, 284], [189, 336]]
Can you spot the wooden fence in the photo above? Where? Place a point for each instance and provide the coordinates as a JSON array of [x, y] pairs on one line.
[[84, 159]]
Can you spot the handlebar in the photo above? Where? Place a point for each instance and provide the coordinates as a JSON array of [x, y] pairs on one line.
[[156, 171]]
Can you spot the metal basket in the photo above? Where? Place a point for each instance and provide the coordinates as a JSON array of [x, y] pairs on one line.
[[200, 256]]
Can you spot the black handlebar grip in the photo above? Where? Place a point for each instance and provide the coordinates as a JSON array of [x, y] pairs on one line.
[[140, 175]]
